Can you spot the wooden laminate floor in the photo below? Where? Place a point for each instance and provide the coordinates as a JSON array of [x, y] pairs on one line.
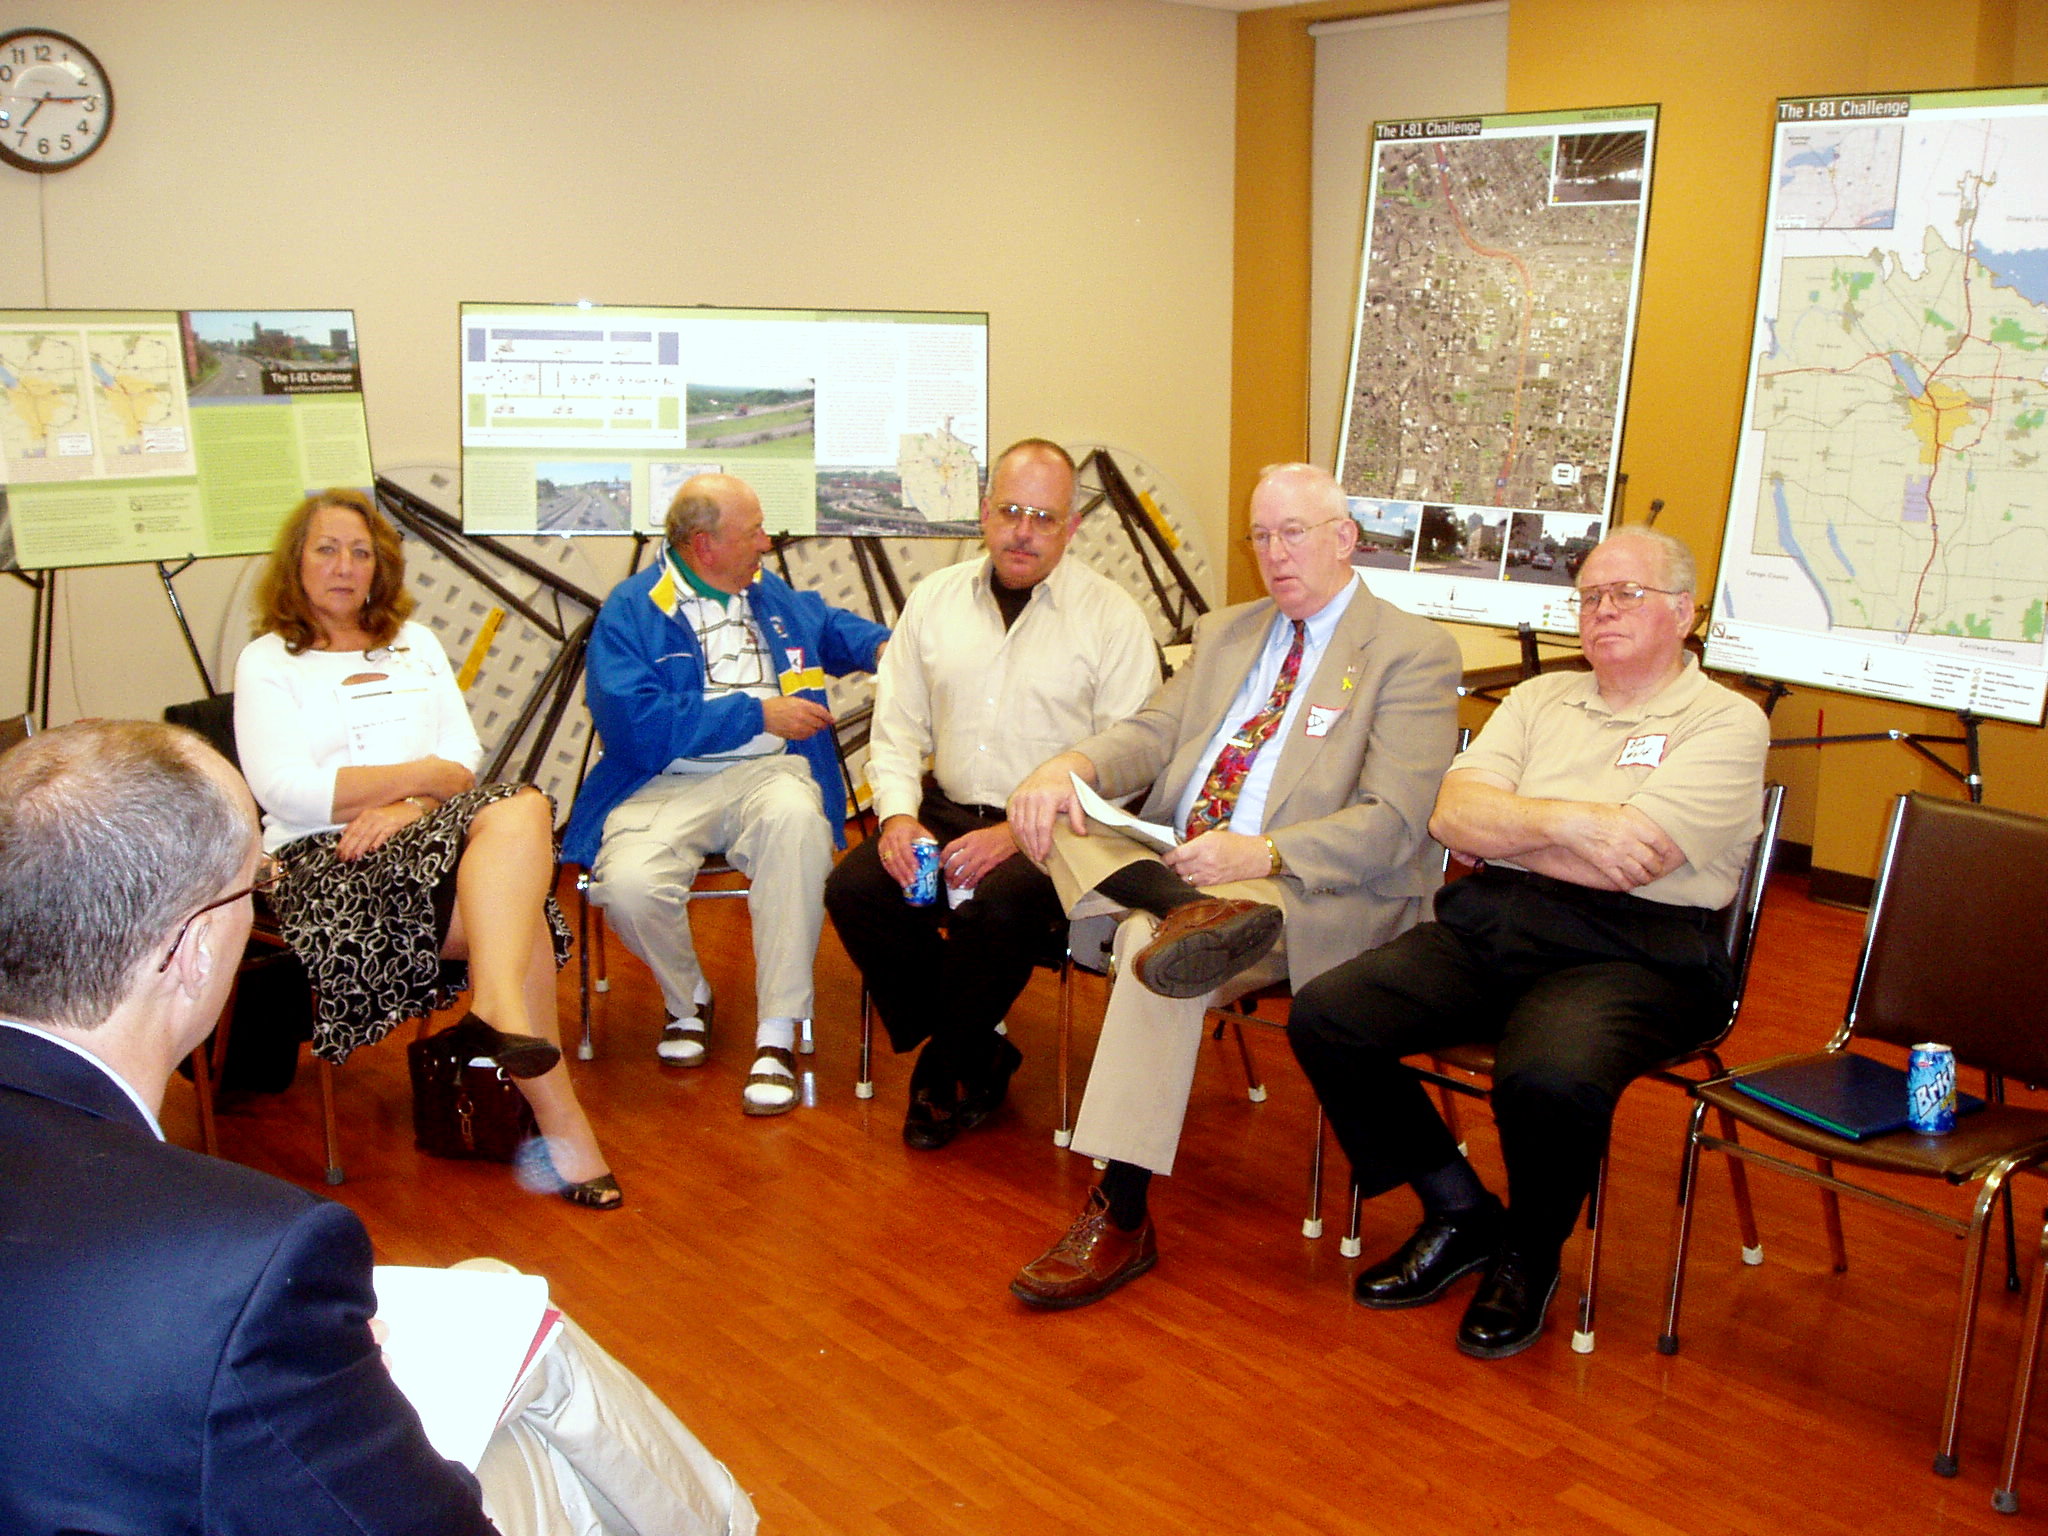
[[828, 1309]]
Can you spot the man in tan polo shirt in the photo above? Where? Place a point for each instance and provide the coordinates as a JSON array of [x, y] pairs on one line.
[[1612, 812]]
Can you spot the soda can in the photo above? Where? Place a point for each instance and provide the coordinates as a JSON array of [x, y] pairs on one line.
[[1931, 1089], [924, 885]]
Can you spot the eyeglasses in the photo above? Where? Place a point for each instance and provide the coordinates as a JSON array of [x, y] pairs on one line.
[[1017, 512], [1291, 534], [268, 872], [1627, 596]]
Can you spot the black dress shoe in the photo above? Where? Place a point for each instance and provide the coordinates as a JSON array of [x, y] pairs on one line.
[[930, 1124], [519, 1056], [1440, 1250], [1507, 1310], [982, 1099]]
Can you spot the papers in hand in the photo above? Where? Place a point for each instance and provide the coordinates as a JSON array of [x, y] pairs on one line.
[[1151, 833], [459, 1343]]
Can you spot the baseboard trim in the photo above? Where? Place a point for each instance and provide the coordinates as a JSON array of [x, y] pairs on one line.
[[1841, 890]]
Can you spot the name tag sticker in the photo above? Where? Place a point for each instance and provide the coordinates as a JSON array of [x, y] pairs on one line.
[[797, 679], [1642, 752], [1320, 719]]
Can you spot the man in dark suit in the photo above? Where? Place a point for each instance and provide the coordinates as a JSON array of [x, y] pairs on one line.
[[187, 1343], [1297, 752]]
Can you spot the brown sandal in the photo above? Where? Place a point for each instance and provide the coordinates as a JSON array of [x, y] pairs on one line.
[[784, 1077]]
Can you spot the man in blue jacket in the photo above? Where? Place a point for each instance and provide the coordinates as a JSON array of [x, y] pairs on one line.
[[706, 683]]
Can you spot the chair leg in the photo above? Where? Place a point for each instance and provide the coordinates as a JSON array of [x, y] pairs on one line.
[[1688, 1170], [1596, 1212], [1945, 1462], [202, 1087], [2006, 1498], [1254, 1089], [806, 1041], [1447, 1105], [864, 1084], [1063, 1135], [334, 1173], [586, 1048], [1353, 1243], [1738, 1185], [1831, 1216], [1312, 1223]]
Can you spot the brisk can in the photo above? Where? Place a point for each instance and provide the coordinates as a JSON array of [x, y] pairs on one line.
[[924, 885], [1931, 1089]]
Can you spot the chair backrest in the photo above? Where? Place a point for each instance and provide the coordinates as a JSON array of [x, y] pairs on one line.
[[15, 729], [1739, 918], [212, 717], [1957, 934]]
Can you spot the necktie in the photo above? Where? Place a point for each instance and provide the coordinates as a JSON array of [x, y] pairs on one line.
[[1218, 798]]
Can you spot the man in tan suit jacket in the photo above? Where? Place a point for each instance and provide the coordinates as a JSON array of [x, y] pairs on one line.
[[1346, 709]]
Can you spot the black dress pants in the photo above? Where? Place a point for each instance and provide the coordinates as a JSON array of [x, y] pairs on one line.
[[940, 974], [1578, 991]]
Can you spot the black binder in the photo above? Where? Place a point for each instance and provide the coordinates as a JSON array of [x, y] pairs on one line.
[[1851, 1095]]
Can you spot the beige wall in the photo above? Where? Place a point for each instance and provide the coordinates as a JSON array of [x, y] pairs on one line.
[[1716, 67], [1064, 164]]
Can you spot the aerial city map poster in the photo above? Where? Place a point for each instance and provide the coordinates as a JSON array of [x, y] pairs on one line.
[[581, 419], [1888, 528], [1489, 366], [137, 435]]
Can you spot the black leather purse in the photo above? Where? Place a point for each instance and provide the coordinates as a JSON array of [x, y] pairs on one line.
[[460, 1110]]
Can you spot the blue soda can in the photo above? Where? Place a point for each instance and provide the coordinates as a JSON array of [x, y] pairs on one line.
[[1931, 1089], [924, 886]]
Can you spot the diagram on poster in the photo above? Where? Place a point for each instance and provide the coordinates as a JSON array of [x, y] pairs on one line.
[[1888, 525], [586, 418], [157, 435], [1490, 359]]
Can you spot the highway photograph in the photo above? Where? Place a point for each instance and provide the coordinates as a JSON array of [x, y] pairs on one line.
[[583, 497], [742, 415], [248, 353]]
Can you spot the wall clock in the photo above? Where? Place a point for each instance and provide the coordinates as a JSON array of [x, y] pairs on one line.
[[56, 102]]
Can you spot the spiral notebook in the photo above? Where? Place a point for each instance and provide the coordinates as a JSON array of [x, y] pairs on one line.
[[1850, 1095]]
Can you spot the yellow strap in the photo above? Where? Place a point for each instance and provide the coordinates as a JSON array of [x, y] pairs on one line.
[[473, 663]]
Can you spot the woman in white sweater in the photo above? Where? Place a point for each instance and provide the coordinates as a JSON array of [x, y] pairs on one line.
[[399, 868]]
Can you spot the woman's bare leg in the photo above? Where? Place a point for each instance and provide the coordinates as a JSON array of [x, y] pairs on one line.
[[500, 928]]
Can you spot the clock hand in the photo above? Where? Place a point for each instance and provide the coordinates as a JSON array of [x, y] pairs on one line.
[[32, 111]]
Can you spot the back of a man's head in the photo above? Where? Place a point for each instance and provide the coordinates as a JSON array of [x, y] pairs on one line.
[[111, 832]]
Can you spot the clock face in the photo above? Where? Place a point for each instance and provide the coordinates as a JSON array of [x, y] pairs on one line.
[[55, 101]]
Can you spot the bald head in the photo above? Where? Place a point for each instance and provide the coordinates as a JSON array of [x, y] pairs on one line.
[[715, 526], [111, 833]]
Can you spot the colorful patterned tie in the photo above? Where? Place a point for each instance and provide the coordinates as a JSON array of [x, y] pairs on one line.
[[1218, 798]]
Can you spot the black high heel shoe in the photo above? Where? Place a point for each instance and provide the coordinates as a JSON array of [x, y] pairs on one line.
[[519, 1056]]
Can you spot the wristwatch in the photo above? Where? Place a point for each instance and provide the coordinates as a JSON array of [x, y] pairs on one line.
[[1273, 848]]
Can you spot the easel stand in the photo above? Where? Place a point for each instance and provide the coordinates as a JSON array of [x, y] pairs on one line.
[[42, 621], [1970, 775]]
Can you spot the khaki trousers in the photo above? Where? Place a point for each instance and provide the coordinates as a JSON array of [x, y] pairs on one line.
[[1137, 1094], [767, 818]]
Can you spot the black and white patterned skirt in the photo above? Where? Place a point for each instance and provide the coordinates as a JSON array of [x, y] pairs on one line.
[[369, 933]]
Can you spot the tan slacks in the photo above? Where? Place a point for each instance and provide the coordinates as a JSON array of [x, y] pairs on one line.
[[1137, 1094]]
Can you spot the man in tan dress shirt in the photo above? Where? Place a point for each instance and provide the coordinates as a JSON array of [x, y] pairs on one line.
[[1614, 811], [995, 664]]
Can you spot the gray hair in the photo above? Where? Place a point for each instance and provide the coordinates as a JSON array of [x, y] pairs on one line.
[[692, 513], [1680, 574], [111, 833], [1320, 483]]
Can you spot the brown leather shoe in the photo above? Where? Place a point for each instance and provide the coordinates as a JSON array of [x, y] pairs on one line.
[[1093, 1259], [1202, 945]]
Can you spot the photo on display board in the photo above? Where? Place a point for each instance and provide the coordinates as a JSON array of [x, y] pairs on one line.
[[1498, 288]]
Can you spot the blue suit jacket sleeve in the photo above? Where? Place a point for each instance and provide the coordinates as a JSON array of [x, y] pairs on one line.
[[307, 1432]]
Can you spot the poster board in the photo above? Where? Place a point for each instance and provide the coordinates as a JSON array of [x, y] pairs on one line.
[[1498, 289], [584, 419], [140, 435], [1887, 527]]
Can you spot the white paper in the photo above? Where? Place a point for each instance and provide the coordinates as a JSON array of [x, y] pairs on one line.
[[1098, 809], [387, 721], [457, 1339]]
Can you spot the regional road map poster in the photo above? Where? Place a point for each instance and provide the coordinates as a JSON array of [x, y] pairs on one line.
[[1888, 524], [584, 419], [1490, 360], [139, 435]]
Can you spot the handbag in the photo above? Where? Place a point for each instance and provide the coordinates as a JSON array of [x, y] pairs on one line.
[[464, 1110]]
